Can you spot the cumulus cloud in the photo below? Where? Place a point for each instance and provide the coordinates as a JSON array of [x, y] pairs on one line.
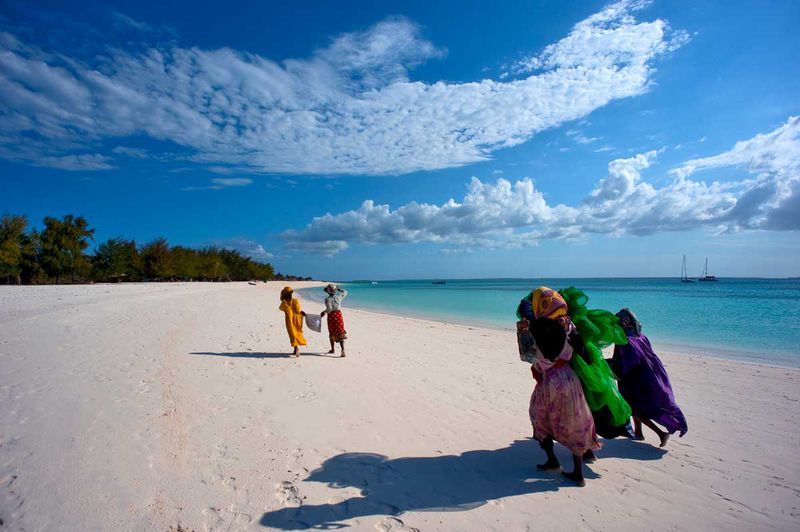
[[771, 198], [622, 203], [350, 108]]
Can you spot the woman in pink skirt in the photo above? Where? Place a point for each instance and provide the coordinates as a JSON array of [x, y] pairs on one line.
[[558, 408]]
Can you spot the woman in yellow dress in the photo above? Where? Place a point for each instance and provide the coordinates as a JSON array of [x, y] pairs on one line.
[[294, 319]]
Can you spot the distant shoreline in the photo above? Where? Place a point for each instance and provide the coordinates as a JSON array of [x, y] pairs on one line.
[[786, 360]]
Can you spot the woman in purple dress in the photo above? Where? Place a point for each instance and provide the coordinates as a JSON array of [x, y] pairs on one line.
[[644, 384]]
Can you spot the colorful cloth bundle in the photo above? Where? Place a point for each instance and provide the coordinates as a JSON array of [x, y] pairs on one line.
[[598, 329]]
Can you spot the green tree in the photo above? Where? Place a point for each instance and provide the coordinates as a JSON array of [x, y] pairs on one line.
[[31, 270], [186, 262], [157, 260], [62, 245], [12, 232], [212, 267], [117, 259]]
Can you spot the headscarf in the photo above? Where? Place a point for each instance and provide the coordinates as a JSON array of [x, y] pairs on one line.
[[547, 303], [629, 322], [287, 290], [330, 289]]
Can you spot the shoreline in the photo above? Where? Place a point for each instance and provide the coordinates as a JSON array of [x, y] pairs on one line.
[[787, 360]]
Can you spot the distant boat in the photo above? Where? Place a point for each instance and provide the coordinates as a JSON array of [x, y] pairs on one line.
[[439, 282], [374, 282], [684, 276], [705, 276]]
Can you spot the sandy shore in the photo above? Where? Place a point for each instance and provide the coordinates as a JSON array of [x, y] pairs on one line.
[[176, 407]]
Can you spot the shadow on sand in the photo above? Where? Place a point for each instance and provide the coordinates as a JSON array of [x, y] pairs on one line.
[[254, 354], [440, 483]]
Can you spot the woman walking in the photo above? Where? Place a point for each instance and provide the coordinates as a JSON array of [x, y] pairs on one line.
[[333, 308], [644, 383], [558, 408], [294, 319]]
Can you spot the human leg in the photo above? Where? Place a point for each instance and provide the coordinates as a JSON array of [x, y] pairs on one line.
[[552, 462]]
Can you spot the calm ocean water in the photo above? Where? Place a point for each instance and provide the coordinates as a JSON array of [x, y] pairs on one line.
[[753, 319]]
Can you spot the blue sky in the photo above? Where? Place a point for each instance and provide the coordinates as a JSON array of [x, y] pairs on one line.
[[415, 139]]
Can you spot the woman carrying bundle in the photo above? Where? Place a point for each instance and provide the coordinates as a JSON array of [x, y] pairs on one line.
[[294, 319], [558, 408], [333, 308]]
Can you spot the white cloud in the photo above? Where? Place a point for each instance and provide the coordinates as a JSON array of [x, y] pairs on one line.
[[232, 181], [82, 162], [506, 214], [580, 138], [350, 108], [770, 199], [218, 183], [134, 153]]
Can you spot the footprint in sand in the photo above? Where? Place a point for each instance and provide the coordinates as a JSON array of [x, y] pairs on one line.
[[288, 494], [211, 519], [393, 524]]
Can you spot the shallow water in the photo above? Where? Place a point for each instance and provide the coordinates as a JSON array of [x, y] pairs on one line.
[[754, 319]]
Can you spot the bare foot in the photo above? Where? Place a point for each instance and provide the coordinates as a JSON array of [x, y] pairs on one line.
[[549, 466], [589, 457], [330, 352], [577, 478], [638, 436], [664, 438], [342, 355]]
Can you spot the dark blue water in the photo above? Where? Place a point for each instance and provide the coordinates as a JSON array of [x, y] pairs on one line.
[[755, 319]]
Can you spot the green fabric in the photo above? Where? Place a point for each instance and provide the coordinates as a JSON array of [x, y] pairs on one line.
[[598, 329]]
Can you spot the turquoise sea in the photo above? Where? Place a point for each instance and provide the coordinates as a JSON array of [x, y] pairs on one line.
[[750, 319]]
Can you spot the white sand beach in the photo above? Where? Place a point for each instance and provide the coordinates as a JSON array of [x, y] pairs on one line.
[[176, 407]]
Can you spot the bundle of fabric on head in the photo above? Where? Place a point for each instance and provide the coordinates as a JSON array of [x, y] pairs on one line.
[[597, 329], [287, 291]]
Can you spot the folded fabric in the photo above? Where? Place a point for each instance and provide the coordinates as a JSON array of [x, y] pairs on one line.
[[598, 329], [314, 322]]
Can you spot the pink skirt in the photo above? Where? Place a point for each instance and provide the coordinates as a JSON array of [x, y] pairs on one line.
[[558, 409]]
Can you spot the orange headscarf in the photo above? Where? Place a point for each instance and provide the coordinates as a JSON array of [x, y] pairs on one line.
[[286, 291], [547, 303]]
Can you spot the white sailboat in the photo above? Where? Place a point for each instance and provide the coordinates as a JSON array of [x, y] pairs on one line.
[[705, 276], [684, 276]]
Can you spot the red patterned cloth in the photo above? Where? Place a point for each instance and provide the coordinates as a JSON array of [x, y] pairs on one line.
[[336, 330]]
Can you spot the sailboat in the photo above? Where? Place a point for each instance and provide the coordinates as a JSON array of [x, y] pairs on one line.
[[705, 276], [684, 277]]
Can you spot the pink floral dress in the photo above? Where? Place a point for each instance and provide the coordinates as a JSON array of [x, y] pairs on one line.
[[558, 407]]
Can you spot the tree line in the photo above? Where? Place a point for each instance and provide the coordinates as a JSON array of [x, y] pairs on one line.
[[57, 253]]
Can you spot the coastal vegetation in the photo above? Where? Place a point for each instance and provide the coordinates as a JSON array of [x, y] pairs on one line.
[[57, 253]]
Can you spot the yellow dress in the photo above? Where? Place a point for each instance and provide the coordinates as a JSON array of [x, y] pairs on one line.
[[294, 322]]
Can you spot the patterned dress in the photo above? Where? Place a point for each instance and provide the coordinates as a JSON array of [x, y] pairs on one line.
[[558, 407]]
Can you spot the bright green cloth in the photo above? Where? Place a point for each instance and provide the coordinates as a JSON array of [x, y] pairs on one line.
[[598, 329]]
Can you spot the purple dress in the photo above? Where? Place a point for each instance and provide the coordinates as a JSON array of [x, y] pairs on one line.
[[643, 382]]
